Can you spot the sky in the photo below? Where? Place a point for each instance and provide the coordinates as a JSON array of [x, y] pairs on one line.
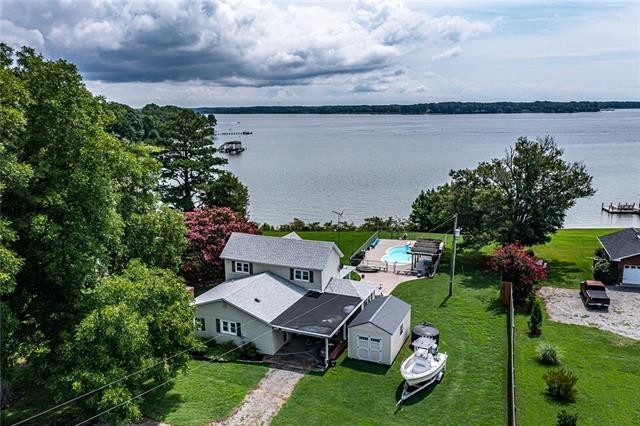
[[250, 52]]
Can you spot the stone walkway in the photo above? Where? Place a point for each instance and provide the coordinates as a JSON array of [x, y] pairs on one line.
[[263, 403]]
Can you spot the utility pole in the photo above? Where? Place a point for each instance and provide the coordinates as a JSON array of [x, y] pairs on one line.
[[339, 218], [456, 233]]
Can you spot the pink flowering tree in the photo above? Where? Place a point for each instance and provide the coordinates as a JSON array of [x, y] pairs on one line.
[[208, 230], [519, 267]]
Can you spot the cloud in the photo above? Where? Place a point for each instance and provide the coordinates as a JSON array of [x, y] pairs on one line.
[[452, 53], [17, 36], [229, 43]]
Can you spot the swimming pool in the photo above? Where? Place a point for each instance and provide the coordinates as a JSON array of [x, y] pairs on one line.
[[397, 254]]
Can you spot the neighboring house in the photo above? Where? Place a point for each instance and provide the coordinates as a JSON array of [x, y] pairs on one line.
[[623, 249], [378, 332], [276, 288]]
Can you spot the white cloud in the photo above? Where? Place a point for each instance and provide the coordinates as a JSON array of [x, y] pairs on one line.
[[17, 36], [452, 53], [235, 43]]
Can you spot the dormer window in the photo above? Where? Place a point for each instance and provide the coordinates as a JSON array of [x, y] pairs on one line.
[[301, 275], [242, 267]]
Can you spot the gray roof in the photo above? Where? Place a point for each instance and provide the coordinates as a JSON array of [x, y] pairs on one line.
[[290, 252], [622, 244], [360, 289], [264, 296], [385, 313], [293, 236]]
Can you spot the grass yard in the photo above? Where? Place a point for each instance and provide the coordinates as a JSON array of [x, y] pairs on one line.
[[208, 392], [570, 255], [473, 332], [349, 242], [608, 370]]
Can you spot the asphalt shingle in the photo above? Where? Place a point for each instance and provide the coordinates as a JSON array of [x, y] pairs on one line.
[[622, 244]]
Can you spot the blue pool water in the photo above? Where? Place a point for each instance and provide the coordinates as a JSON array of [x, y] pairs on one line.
[[397, 254]]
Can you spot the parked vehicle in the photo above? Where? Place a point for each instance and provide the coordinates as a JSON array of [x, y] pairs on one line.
[[423, 368], [594, 293]]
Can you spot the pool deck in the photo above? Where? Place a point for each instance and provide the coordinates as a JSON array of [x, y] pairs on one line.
[[387, 280]]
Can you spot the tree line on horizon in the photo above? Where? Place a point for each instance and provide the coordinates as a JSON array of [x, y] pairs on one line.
[[432, 108]]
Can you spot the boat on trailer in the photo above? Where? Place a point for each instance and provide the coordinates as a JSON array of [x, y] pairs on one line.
[[423, 368]]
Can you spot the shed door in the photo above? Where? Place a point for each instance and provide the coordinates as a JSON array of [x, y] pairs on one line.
[[631, 274], [369, 348]]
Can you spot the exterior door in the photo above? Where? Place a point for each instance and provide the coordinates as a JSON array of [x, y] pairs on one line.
[[369, 348], [631, 274]]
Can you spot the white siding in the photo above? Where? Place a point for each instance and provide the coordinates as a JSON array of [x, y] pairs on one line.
[[398, 339], [282, 271], [267, 340], [391, 343], [331, 270]]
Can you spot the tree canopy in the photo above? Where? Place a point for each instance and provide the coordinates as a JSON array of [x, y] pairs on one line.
[[523, 196], [227, 191], [78, 204]]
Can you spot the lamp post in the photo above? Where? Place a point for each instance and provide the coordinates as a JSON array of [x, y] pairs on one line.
[[456, 233]]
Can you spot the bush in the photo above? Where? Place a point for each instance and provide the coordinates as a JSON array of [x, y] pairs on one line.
[[536, 319], [519, 268], [547, 354], [249, 351], [605, 271], [560, 384], [566, 419]]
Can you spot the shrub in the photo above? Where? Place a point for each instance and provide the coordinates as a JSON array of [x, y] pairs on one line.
[[518, 267], [547, 354], [536, 319], [560, 384], [605, 271], [566, 419], [249, 351]]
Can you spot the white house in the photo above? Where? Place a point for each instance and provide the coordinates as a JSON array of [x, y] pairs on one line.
[[279, 287]]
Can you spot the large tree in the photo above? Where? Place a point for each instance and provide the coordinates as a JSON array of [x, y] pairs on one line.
[[77, 205], [523, 196], [227, 191], [209, 230], [188, 158], [140, 321]]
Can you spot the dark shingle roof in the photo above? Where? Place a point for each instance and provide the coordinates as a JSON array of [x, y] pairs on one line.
[[290, 252], [385, 313], [622, 244]]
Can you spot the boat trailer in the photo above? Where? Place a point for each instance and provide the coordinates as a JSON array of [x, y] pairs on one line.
[[409, 391]]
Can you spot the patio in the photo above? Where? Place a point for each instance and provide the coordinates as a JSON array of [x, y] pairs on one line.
[[390, 274]]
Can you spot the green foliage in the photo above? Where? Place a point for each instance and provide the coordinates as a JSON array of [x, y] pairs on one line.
[[249, 351], [227, 191], [547, 354], [188, 157], [560, 384], [522, 197], [605, 271], [566, 419], [140, 321], [535, 321]]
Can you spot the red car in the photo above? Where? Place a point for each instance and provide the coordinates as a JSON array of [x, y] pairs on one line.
[[594, 293]]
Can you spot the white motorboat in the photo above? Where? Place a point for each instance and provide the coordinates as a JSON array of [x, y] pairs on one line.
[[424, 367]]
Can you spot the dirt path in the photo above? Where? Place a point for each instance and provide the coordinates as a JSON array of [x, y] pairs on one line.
[[623, 317], [263, 403]]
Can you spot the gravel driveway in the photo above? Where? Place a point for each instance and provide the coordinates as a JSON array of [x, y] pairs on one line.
[[565, 305]]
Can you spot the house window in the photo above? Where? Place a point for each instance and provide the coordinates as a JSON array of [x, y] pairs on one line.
[[200, 324], [401, 329], [228, 327], [301, 275], [242, 267]]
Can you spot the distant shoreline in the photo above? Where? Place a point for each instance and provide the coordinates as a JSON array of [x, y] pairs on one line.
[[437, 108]]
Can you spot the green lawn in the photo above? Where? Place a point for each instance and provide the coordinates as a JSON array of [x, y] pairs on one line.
[[608, 370], [473, 332], [208, 392], [570, 255], [349, 241]]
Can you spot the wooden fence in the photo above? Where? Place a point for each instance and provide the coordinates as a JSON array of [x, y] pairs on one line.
[[507, 298]]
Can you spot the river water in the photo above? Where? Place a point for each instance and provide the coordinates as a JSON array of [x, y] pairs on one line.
[[305, 166]]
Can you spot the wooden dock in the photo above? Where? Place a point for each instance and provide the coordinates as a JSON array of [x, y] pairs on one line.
[[621, 208]]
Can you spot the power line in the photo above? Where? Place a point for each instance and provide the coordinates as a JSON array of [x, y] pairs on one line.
[[179, 374]]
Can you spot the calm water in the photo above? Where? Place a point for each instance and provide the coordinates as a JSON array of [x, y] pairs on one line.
[[305, 166]]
